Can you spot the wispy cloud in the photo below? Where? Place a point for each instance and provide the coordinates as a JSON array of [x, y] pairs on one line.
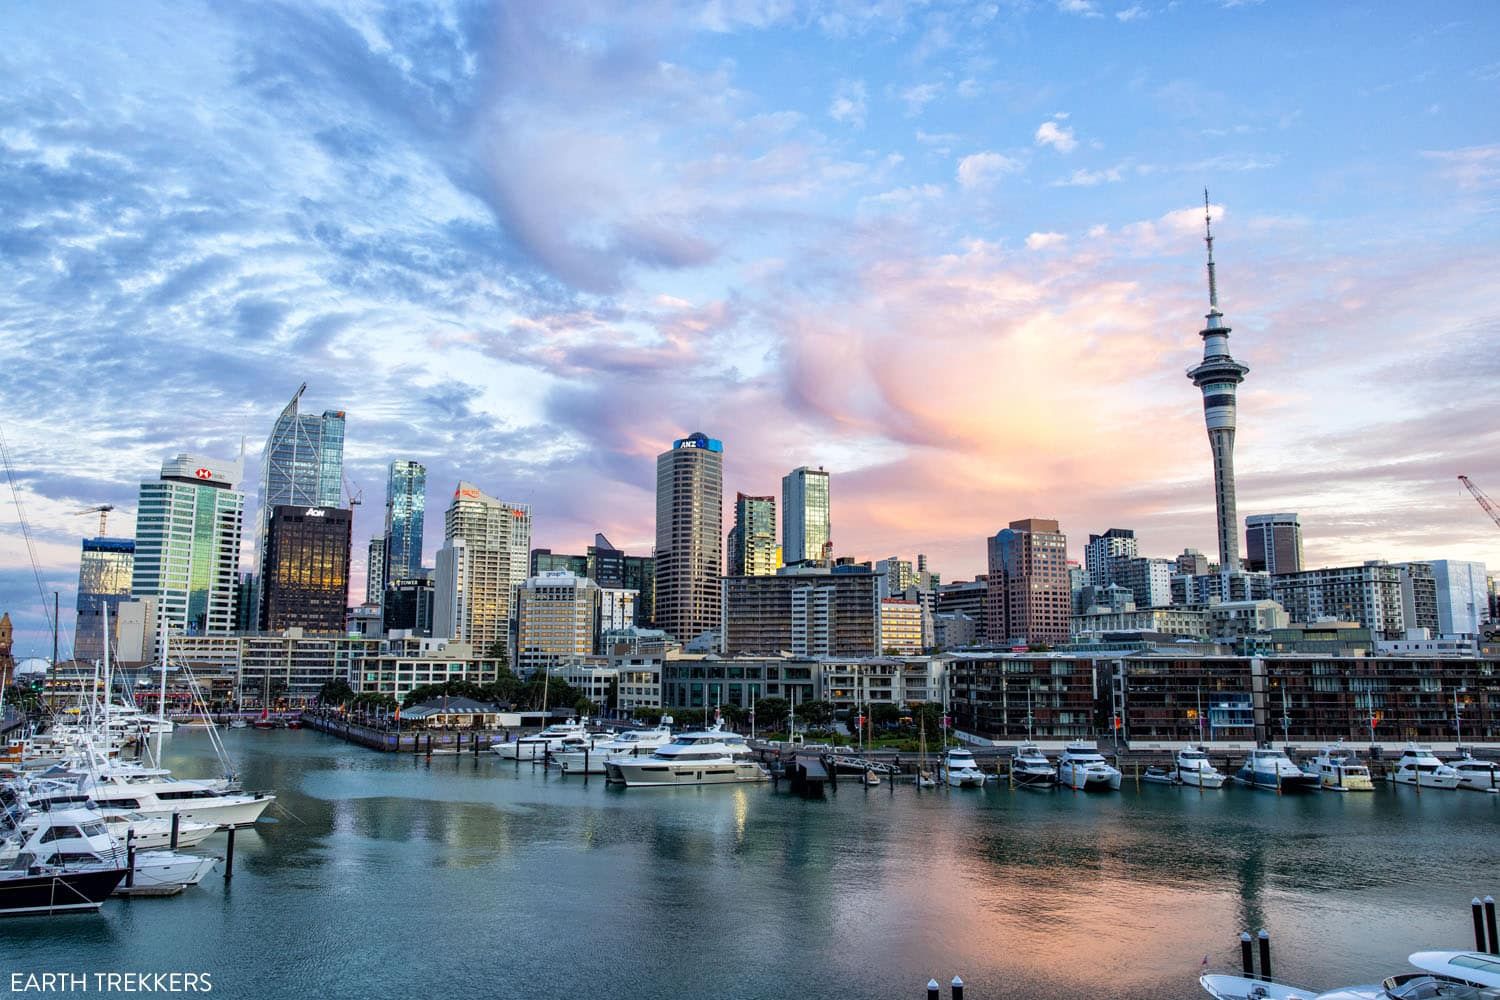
[[978, 170], [849, 103], [1058, 136]]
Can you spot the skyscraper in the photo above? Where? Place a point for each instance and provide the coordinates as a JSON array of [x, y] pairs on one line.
[[187, 544], [1273, 542], [306, 580], [805, 526], [301, 465], [484, 560], [689, 536], [1462, 596], [405, 507], [752, 546], [1029, 598], [1101, 552], [375, 570], [1219, 376], [103, 581]]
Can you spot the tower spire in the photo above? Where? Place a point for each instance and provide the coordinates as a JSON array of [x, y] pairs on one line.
[[1208, 229]]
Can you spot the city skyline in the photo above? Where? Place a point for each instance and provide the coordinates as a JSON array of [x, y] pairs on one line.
[[836, 266]]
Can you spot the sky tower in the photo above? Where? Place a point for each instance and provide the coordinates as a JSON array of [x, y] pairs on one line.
[[1219, 377]]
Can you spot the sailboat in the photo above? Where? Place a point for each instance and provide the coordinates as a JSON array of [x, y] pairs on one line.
[[924, 777]]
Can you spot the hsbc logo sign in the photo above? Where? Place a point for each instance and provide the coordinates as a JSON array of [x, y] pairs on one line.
[[204, 473]]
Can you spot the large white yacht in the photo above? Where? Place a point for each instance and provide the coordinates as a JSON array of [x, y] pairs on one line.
[[1031, 767], [1450, 975], [1477, 775], [1338, 771], [196, 800], [1081, 766], [1193, 768], [1418, 766], [78, 838], [1270, 768], [538, 745], [631, 743], [709, 757], [961, 771]]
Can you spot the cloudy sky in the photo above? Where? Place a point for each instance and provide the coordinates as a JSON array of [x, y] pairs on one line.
[[950, 251]]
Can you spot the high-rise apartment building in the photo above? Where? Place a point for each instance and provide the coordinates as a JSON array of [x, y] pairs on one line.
[[104, 573], [1029, 599], [1462, 596], [302, 465], [475, 581], [806, 611], [806, 531], [375, 570], [306, 582], [1273, 543], [689, 536], [1218, 376], [1148, 580], [405, 508], [752, 540], [557, 617], [188, 527], [610, 568], [1101, 552], [1192, 563], [1419, 602], [1368, 594], [901, 627]]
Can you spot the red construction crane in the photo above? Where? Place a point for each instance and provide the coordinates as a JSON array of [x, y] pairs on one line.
[[1484, 501]]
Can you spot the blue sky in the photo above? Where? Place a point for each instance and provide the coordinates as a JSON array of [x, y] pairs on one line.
[[950, 251]]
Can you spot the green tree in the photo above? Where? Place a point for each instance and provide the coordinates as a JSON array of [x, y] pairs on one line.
[[336, 692], [735, 716], [771, 713], [885, 715], [499, 651], [815, 713]]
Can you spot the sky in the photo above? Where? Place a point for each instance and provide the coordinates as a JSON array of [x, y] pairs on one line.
[[950, 251]]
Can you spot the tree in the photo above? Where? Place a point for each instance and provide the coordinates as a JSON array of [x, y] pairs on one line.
[[771, 713], [499, 651], [815, 713], [885, 714], [736, 716], [336, 692]]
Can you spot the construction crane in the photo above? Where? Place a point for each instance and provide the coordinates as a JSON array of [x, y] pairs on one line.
[[102, 510], [355, 494], [1484, 501]]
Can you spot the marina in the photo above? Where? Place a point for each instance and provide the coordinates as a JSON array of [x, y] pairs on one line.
[[495, 867]]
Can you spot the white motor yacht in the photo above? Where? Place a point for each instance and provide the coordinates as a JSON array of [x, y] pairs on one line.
[[78, 838], [1081, 766], [538, 745], [195, 800], [1477, 775], [631, 743], [961, 771], [1032, 768], [1418, 766], [1445, 975], [49, 795], [1271, 768], [1193, 768], [1338, 772], [710, 757]]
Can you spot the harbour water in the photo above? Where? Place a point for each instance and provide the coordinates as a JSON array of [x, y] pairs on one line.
[[385, 875]]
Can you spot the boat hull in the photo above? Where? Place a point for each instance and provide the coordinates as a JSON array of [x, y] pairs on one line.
[[54, 894], [648, 775], [164, 868], [1335, 782], [1300, 782], [1082, 779], [231, 811], [1425, 779], [1199, 779], [1035, 779], [1243, 988]]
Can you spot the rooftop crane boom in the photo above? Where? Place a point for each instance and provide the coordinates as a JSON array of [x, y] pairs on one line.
[[102, 510], [1484, 501]]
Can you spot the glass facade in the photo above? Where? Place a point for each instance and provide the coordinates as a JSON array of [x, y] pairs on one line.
[[405, 508], [752, 546], [187, 547], [806, 530], [103, 581], [307, 569]]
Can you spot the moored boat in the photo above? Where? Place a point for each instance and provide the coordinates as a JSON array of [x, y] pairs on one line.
[[1270, 768], [1030, 767], [1475, 774], [1338, 771], [1193, 768], [1081, 767], [1419, 766]]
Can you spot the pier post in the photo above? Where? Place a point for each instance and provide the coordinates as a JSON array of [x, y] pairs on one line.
[[932, 989], [1247, 956], [1478, 910], [129, 859], [229, 857], [958, 988], [176, 826], [1265, 954], [1489, 921]]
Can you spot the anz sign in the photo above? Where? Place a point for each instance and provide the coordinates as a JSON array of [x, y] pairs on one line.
[[698, 441]]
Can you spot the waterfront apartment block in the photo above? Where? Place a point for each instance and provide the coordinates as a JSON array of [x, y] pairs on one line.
[[488, 543], [1159, 696], [697, 681], [857, 684], [394, 668], [1368, 594], [1029, 600], [285, 669], [1273, 543], [901, 627], [805, 611], [689, 536]]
